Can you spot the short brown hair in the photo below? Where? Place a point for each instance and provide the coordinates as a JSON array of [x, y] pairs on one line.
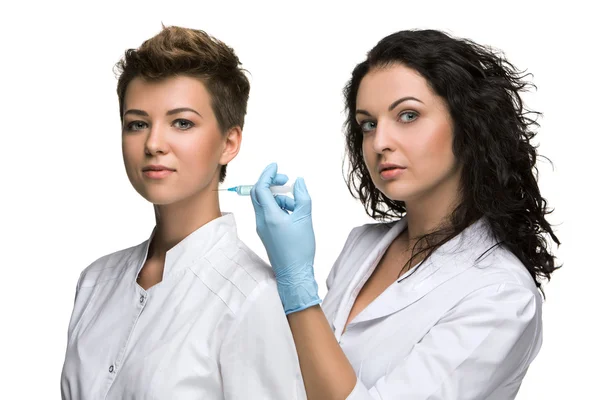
[[190, 52]]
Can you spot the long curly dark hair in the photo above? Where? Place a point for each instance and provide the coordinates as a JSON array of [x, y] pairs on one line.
[[492, 137]]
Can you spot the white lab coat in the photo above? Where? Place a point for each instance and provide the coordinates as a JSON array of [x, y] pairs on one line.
[[214, 328], [464, 325]]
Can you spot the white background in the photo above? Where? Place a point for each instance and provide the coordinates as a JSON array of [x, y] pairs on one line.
[[66, 199]]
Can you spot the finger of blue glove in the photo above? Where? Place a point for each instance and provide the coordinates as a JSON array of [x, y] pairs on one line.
[[260, 193], [266, 177], [303, 203], [279, 180], [285, 202]]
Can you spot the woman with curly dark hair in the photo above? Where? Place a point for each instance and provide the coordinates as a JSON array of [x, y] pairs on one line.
[[444, 301]]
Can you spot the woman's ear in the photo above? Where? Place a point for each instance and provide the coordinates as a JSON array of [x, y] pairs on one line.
[[233, 141]]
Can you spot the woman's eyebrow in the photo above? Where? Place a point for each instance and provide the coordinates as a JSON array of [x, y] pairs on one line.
[[170, 112], [392, 106], [182, 109], [136, 112], [397, 102]]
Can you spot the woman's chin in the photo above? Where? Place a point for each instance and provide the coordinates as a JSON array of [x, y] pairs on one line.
[[160, 199], [394, 192]]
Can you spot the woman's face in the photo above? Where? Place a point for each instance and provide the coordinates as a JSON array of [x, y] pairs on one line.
[[173, 147], [407, 135]]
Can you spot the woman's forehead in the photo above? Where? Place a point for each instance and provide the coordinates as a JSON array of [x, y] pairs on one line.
[[172, 92], [384, 85]]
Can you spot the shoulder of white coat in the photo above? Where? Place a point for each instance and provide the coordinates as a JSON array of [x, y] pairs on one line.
[[109, 266], [370, 233], [233, 272], [370, 230], [491, 262], [503, 267]]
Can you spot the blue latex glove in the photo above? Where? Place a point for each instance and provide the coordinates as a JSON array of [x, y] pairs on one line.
[[288, 238]]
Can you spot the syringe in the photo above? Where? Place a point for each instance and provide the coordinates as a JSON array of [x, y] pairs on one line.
[[244, 190]]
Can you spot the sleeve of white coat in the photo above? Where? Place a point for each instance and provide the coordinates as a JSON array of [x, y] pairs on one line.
[[474, 349], [258, 359]]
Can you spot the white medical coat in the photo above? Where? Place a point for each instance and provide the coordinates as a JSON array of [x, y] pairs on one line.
[[464, 325], [214, 328]]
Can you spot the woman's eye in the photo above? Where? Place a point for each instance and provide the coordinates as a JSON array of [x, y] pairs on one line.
[[408, 116], [367, 126], [183, 124], [136, 126]]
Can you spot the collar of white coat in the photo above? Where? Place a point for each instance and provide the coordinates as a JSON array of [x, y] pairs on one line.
[[196, 245], [455, 256]]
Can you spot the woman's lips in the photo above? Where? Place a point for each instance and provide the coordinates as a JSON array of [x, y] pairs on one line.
[[158, 174], [391, 173], [157, 171]]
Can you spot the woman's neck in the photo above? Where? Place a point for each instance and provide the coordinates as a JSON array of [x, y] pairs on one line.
[[431, 211], [177, 220]]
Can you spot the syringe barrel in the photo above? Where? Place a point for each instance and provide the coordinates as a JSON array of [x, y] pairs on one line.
[[281, 189], [244, 190]]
